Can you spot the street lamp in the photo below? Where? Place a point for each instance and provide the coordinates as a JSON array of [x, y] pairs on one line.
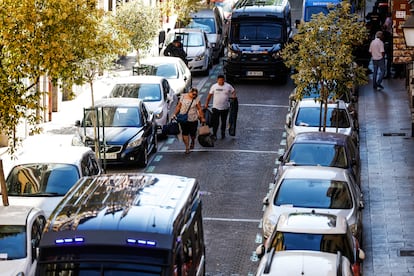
[[408, 31]]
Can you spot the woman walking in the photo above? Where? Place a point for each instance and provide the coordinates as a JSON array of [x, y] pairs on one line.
[[189, 104]]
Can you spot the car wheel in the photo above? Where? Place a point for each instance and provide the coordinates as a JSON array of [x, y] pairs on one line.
[[143, 162]]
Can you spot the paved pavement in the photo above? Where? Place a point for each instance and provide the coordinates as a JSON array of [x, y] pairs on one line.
[[387, 155]]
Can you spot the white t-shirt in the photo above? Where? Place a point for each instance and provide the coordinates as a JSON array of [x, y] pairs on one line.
[[221, 95]]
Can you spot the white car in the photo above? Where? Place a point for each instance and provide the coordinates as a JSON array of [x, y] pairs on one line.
[[322, 189], [21, 228], [154, 91], [172, 68], [196, 45], [40, 177], [307, 115], [304, 262]]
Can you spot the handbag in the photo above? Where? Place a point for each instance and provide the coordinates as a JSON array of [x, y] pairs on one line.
[[172, 128], [204, 130], [182, 118]]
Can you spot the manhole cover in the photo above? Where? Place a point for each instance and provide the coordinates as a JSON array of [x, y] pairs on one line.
[[393, 134], [406, 253]]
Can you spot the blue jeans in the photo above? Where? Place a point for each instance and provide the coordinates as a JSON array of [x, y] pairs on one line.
[[377, 78]]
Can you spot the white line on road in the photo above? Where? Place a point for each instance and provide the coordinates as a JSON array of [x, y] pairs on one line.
[[166, 150], [265, 105], [229, 219]]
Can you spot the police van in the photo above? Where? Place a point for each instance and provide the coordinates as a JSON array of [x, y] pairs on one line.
[[258, 32], [125, 224], [311, 7]]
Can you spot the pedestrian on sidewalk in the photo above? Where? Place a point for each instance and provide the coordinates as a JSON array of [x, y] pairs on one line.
[[376, 48], [221, 93], [189, 104]]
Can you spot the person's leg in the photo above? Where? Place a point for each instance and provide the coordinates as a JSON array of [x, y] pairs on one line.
[[215, 120], [381, 66], [375, 73], [193, 133], [223, 115], [186, 143]]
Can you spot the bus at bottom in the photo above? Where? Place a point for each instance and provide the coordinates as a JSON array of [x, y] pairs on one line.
[[125, 224]]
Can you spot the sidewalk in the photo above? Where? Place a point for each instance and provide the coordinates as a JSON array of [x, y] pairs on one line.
[[387, 155]]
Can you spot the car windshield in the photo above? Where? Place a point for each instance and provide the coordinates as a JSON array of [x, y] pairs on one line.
[[256, 32], [12, 242], [40, 179], [314, 193], [206, 24], [330, 243], [312, 117], [312, 154], [148, 92], [114, 116]]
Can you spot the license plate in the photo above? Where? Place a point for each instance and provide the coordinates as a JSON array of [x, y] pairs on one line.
[[255, 73], [110, 155]]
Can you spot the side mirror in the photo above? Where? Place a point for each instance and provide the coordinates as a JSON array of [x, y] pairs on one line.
[[280, 159], [265, 201], [289, 121], [260, 250], [77, 123], [361, 205]]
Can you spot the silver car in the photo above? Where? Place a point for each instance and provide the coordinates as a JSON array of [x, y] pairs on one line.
[[321, 189]]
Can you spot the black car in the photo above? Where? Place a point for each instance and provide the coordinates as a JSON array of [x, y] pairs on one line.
[[323, 149], [125, 131]]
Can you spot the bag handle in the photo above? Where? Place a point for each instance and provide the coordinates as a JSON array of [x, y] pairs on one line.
[[188, 110]]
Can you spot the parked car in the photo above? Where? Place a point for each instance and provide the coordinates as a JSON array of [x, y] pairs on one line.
[[21, 229], [172, 68], [40, 177], [304, 262], [125, 131], [196, 45], [321, 189], [211, 22], [323, 149], [315, 232], [307, 115], [155, 91]]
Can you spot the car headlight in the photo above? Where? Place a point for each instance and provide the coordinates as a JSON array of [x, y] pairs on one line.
[[213, 45], [269, 224], [276, 55], [198, 58], [159, 114], [232, 54], [77, 141], [135, 143]]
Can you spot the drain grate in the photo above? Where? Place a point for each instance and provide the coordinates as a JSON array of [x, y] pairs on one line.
[[393, 134], [406, 253]]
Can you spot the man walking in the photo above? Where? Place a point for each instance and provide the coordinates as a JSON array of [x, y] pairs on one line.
[[221, 93], [376, 48]]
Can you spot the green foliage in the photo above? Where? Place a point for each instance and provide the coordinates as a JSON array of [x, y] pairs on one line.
[[44, 38], [138, 22], [181, 8], [322, 54]]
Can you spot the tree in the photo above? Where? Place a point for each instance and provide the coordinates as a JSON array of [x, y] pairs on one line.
[[181, 8], [41, 38], [322, 55], [139, 23]]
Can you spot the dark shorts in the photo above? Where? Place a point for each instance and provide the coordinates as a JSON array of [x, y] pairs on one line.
[[189, 128]]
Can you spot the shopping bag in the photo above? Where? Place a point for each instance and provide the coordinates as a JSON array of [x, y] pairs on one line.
[[203, 129]]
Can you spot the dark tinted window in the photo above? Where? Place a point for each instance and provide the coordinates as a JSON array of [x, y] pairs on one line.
[[317, 154], [256, 32], [312, 193]]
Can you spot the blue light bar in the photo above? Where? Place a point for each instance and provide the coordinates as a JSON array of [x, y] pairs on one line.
[[70, 240], [141, 242]]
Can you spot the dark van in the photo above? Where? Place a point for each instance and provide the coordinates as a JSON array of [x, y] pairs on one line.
[[258, 32], [126, 224]]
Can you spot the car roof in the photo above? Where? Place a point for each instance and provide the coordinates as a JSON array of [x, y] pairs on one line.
[[312, 223], [315, 172], [186, 30], [139, 79], [121, 102], [159, 60], [16, 214], [321, 137], [312, 103], [203, 13], [55, 154], [307, 262]]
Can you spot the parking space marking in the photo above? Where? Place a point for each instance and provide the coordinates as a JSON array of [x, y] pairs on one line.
[[265, 105], [167, 150], [231, 219]]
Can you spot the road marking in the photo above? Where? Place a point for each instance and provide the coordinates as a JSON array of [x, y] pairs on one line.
[[233, 220], [167, 150]]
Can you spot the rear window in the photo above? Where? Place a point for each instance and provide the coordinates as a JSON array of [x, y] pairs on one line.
[[148, 92], [312, 117], [313, 193], [329, 155], [39, 179]]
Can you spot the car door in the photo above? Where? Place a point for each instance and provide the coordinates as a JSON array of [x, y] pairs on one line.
[[149, 127], [168, 94]]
